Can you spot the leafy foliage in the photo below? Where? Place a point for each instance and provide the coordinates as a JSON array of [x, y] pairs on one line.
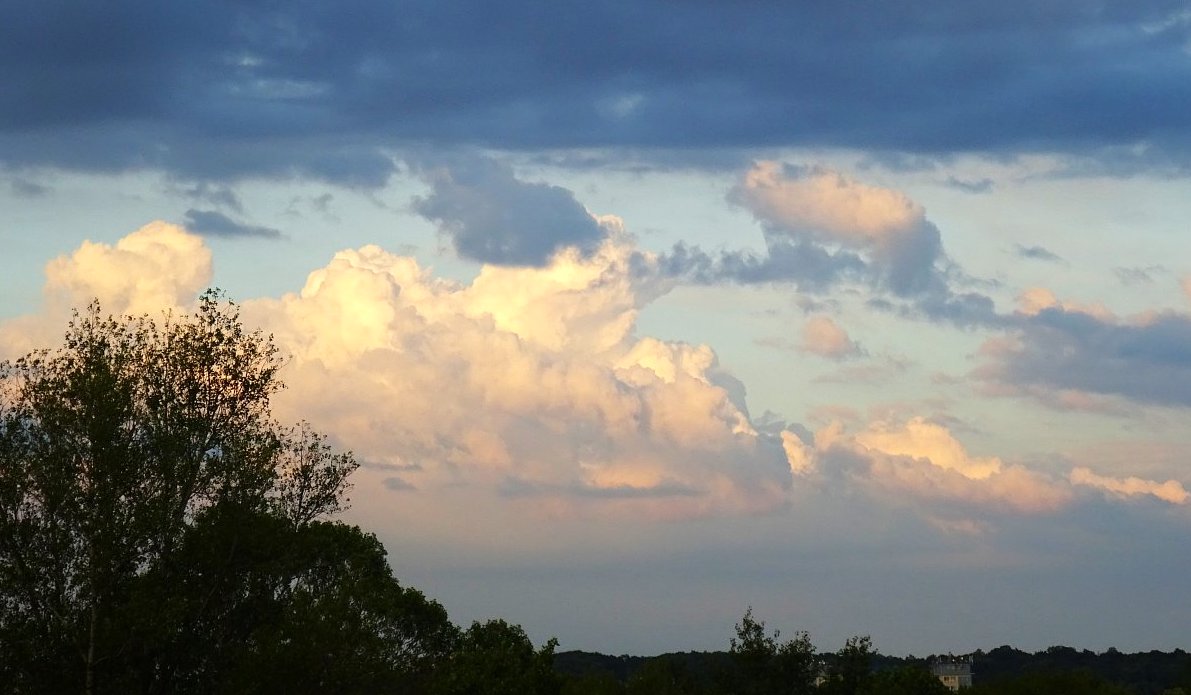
[[496, 658], [160, 532], [763, 664]]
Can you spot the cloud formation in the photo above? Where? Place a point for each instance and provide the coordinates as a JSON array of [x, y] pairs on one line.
[[158, 266], [819, 206], [530, 385], [1074, 356], [823, 229], [1171, 491], [923, 460], [493, 217], [528, 382], [217, 224], [228, 90], [1036, 253], [822, 336]]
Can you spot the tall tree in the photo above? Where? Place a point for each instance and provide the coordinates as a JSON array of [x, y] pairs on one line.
[[852, 669], [122, 453], [761, 664]]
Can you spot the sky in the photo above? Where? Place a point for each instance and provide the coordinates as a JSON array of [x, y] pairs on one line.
[[875, 317]]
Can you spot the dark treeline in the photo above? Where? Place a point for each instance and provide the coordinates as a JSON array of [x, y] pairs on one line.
[[160, 532], [1001, 671]]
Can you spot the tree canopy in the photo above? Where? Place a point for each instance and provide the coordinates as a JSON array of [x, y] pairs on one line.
[[160, 531]]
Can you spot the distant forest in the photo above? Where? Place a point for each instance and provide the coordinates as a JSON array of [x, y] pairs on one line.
[[1054, 671]]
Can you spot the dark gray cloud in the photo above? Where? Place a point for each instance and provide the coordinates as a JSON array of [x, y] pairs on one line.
[[493, 217], [806, 265], [214, 223], [1061, 350], [1036, 253], [218, 89]]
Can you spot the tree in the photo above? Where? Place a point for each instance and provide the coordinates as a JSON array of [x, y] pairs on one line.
[[905, 680], [149, 503], [662, 675], [1050, 683], [761, 664], [852, 667], [496, 658]]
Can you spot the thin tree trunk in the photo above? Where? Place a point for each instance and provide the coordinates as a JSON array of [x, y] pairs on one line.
[[90, 680]]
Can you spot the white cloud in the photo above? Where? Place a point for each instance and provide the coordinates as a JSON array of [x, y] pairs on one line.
[[159, 265], [530, 380]]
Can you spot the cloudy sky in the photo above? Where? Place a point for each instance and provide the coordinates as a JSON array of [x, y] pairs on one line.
[[873, 316]]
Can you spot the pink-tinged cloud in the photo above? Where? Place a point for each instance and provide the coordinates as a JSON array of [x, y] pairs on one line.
[[828, 205], [824, 337], [1034, 300], [922, 460], [822, 207], [1171, 491]]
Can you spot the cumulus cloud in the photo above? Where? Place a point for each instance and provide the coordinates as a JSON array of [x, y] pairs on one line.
[[491, 216], [1171, 491], [529, 382], [159, 265], [822, 229], [824, 337], [924, 461], [797, 204], [531, 385]]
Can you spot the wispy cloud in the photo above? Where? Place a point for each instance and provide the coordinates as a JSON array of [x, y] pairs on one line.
[[216, 224], [1036, 253]]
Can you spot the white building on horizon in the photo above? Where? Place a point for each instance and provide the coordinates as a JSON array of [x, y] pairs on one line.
[[953, 672]]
